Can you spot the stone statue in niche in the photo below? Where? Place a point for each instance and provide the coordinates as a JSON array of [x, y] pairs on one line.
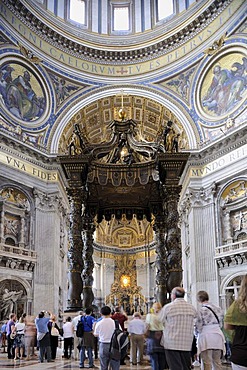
[[11, 227], [166, 131], [239, 220], [171, 138], [9, 299], [74, 144]]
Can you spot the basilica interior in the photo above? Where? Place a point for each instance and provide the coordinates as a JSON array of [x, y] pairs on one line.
[[123, 149]]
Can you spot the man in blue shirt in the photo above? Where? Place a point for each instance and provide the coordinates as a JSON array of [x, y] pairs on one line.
[[87, 341], [43, 336]]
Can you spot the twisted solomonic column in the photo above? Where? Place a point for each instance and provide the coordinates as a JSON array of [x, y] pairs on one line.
[[87, 272], [173, 238], [161, 267], [75, 259]]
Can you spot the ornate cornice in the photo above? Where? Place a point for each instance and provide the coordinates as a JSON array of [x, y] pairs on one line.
[[160, 46], [221, 147], [11, 143]]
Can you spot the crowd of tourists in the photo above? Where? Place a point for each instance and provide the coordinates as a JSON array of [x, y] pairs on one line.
[[176, 336]]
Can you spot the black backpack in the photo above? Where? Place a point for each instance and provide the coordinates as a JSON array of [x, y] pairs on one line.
[[80, 329], [119, 343]]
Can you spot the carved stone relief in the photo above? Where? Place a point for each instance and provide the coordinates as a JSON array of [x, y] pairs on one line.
[[15, 218], [13, 298], [234, 212]]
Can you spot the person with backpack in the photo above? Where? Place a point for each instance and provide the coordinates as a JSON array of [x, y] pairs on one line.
[[104, 330], [121, 318], [87, 339]]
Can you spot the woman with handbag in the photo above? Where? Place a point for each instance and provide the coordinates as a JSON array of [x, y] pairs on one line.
[[210, 339], [154, 334], [54, 334]]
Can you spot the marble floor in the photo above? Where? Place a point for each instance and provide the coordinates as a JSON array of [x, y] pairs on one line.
[[60, 363], [67, 364]]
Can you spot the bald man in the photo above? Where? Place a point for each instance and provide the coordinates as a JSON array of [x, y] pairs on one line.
[[178, 318]]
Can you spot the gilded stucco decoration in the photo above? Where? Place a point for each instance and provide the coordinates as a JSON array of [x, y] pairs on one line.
[[124, 291], [236, 190], [29, 55], [16, 197], [124, 233], [216, 46]]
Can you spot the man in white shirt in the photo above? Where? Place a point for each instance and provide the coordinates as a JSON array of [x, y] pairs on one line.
[[68, 334], [76, 339], [136, 329], [104, 330]]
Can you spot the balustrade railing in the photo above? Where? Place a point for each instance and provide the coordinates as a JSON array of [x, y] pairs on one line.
[[10, 250], [231, 249]]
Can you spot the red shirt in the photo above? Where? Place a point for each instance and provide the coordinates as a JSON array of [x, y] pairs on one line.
[[121, 319]]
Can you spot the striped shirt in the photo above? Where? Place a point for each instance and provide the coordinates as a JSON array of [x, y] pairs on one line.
[[178, 319]]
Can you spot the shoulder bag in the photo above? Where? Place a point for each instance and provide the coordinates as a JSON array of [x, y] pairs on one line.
[[54, 331]]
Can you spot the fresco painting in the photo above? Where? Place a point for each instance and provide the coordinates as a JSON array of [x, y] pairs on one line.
[[21, 93], [224, 86]]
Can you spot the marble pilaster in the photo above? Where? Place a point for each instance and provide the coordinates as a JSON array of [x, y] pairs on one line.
[[47, 280], [201, 225]]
